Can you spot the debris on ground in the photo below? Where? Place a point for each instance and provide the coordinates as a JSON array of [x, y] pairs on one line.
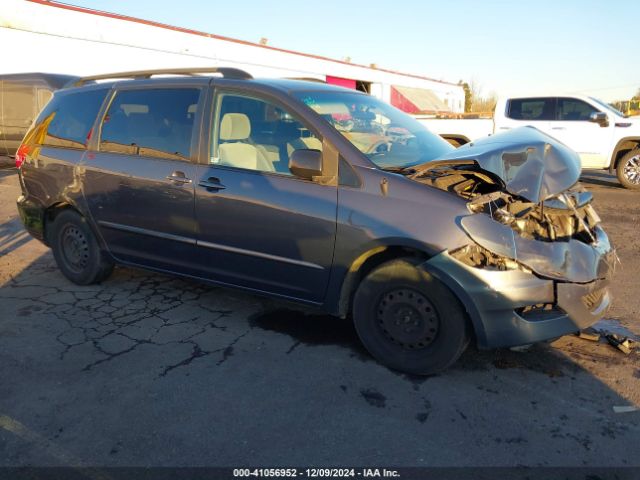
[[624, 344], [625, 408], [589, 334]]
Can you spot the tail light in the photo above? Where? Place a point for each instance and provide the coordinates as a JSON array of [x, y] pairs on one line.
[[21, 154]]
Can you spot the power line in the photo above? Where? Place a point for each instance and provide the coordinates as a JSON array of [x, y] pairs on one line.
[[608, 88]]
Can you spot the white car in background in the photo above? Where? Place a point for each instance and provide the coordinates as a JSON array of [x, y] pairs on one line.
[[604, 138]]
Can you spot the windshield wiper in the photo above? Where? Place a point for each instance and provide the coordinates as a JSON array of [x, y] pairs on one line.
[[400, 170]]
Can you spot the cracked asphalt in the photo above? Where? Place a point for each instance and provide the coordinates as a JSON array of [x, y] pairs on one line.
[[151, 370]]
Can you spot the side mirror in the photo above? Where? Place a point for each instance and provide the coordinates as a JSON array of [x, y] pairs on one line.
[[599, 118], [306, 163]]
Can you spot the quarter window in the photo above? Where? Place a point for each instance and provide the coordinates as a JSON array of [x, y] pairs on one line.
[[532, 109], [258, 135], [153, 123], [68, 118]]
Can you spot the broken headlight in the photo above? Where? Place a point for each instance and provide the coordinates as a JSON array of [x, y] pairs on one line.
[[479, 257]]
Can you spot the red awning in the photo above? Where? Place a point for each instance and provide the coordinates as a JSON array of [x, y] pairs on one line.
[[342, 82]]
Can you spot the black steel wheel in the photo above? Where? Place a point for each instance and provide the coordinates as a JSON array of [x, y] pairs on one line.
[[76, 249], [408, 320]]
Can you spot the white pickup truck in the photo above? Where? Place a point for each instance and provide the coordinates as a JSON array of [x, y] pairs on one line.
[[603, 137]]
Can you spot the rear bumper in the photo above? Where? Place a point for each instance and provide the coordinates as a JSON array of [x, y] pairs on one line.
[[32, 216], [499, 302]]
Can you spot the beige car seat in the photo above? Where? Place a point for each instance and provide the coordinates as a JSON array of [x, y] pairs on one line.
[[235, 149]]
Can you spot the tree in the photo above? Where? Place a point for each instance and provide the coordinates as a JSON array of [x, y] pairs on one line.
[[485, 104], [636, 96], [468, 96], [481, 103]]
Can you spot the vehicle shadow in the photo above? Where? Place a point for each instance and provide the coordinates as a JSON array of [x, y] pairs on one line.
[[12, 236], [316, 329], [604, 179]]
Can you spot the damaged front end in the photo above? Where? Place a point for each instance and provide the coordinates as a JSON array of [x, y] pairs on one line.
[[538, 264]]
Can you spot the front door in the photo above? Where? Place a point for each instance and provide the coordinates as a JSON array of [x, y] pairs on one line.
[[139, 185], [573, 128], [260, 227]]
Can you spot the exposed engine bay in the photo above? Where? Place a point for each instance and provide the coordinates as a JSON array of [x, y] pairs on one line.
[[526, 209], [564, 216]]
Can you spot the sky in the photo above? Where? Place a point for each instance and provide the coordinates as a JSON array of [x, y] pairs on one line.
[[502, 47]]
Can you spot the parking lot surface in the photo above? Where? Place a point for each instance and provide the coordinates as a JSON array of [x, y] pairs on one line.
[[151, 370]]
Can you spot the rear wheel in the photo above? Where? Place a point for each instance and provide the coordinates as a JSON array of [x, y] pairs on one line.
[[628, 170], [76, 249], [408, 320]]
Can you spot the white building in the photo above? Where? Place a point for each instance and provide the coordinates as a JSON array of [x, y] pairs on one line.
[[46, 36]]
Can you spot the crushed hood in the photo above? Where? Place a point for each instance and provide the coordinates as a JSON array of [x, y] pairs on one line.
[[531, 164]]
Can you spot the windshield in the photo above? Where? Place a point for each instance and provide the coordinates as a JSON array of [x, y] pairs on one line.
[[388, 137], [608, 107]]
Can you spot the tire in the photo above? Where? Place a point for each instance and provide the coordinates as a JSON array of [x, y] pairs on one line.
[[408, 320], [628, 170], [76, 249]]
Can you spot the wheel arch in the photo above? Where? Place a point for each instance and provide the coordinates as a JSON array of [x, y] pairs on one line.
[[478, 330], [55, 209], [368, 260], [624, 146], [50, 214]]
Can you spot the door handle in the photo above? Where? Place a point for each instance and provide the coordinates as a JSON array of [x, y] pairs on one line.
[[178, 177], [558, 128], [212, 184]]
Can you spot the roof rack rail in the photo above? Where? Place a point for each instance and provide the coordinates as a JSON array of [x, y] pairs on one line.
[[234, 73]]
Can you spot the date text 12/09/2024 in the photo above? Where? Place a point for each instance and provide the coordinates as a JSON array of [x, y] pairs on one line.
[[316, 472]]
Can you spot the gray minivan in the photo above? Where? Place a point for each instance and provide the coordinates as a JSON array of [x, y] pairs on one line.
[[22, 96], [323, 196]]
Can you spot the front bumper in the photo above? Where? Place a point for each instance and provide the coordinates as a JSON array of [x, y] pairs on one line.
[[496, 301]]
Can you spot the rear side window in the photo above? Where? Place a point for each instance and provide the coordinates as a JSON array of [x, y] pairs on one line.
[[67, 119], [153, 123], [532, 109]]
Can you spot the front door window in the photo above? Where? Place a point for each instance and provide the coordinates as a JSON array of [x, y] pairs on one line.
[[254, 134]]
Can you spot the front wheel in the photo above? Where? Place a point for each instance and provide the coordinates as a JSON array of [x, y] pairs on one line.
[[76, 249], [628, 170], [408, 320]]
